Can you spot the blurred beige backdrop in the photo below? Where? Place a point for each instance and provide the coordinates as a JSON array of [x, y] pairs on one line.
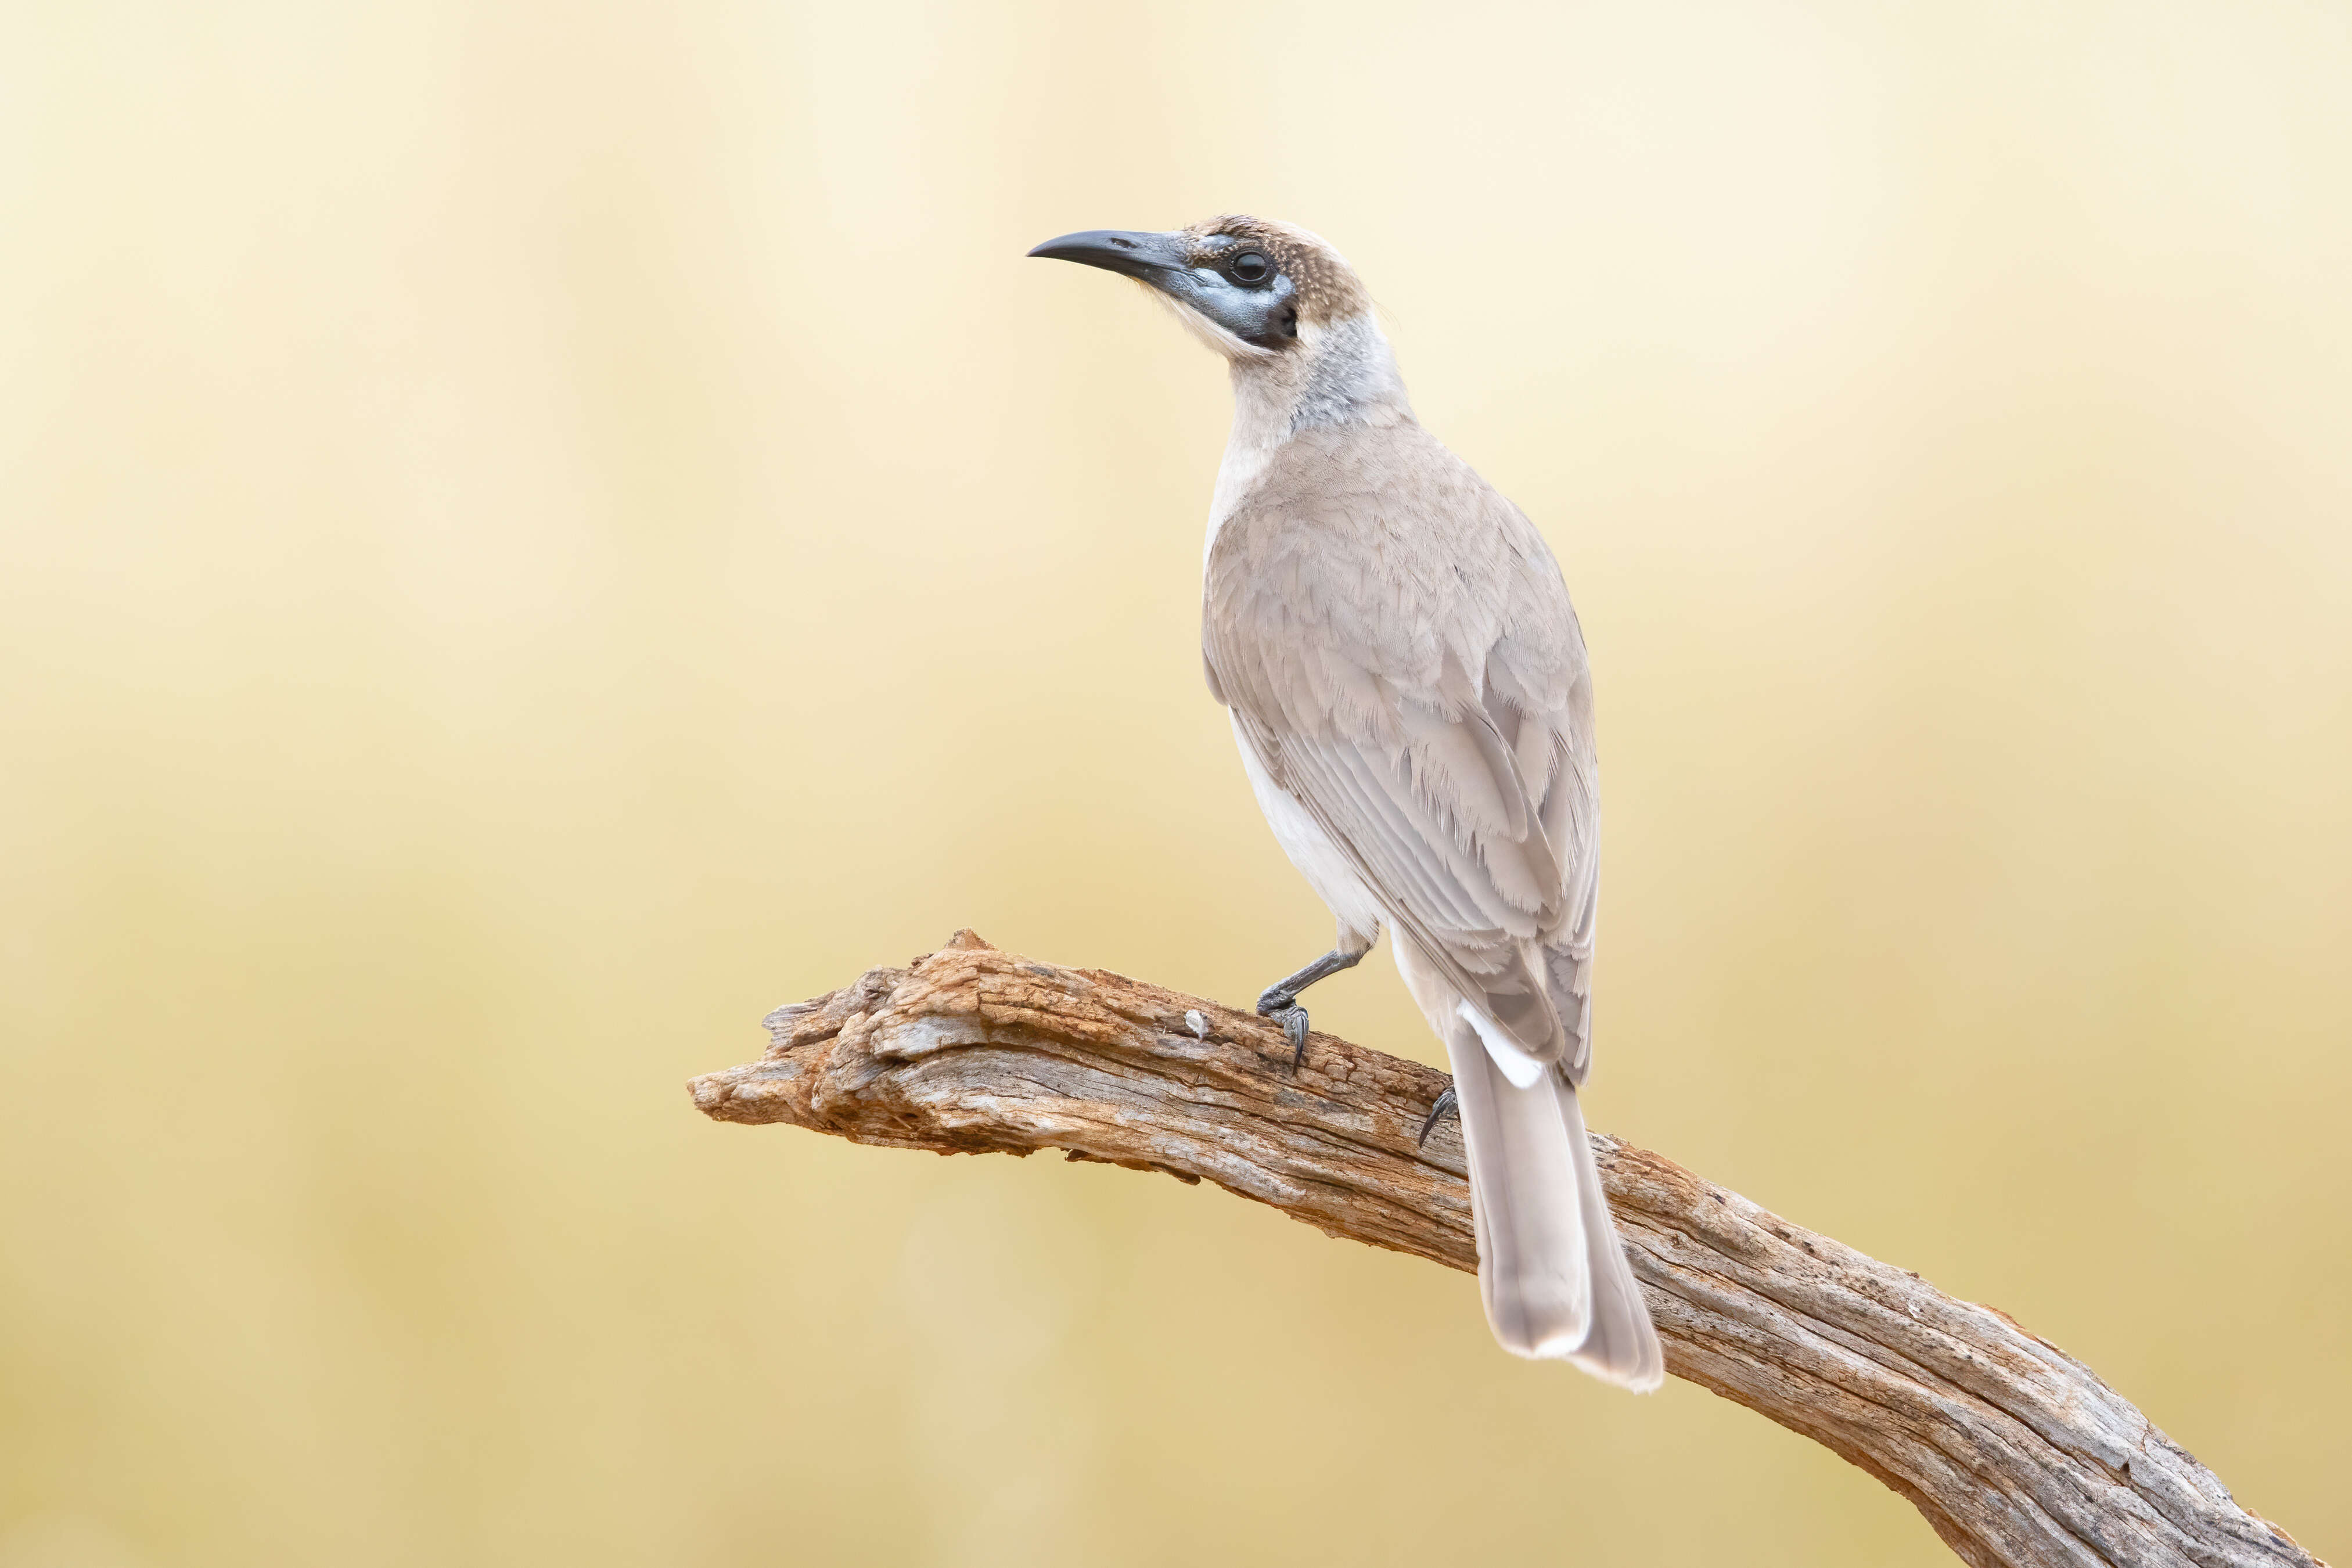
[[531, 534]]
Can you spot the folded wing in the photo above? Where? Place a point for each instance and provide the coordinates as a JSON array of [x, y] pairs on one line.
[[1400, 655]]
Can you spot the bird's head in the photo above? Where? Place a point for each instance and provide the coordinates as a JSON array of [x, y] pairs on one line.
[[1255, 291]]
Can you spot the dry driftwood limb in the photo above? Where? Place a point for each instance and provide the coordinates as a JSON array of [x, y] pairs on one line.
[[2016, 1452]]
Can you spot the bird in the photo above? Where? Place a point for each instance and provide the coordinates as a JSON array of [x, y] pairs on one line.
[[1407, 681]]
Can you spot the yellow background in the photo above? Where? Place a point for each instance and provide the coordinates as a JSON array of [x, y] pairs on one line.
[[530, 535]]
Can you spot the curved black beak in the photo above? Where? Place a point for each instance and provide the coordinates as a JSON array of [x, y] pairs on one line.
[[1120, 250]]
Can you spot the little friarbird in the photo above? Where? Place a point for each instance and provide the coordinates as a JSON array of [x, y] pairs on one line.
[[1408, 684]]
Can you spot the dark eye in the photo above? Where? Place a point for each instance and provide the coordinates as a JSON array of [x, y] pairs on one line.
[[1249, 267]]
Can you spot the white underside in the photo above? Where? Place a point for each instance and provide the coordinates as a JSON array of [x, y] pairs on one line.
[[1310, 849]]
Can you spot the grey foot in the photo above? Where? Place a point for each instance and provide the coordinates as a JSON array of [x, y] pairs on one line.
[[1279, 1001], [1446, 1104], [1283, 1008]]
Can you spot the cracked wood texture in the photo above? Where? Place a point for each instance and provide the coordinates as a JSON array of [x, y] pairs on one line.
[[2014, 1451]]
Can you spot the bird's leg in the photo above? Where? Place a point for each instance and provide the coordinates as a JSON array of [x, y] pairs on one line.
[[1279, 1001], [1446, 1104]]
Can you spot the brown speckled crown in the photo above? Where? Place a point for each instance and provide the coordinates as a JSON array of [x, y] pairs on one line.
[[1327, 290]]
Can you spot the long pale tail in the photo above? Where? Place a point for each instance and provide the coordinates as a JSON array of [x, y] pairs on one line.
[[1550, 1265]]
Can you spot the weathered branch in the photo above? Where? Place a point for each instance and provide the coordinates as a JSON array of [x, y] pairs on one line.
[[2014, 1451]]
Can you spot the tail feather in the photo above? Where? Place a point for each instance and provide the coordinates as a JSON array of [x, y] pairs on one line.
[[1550, 1267], [1622, 1346]]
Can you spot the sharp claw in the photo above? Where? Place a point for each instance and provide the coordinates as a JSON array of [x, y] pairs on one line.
[[1446, 1102], [1293, 1024]]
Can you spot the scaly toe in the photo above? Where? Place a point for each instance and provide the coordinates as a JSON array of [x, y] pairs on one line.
[[1293, 1024]]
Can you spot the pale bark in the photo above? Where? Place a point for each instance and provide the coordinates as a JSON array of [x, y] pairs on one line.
[[2015, 1452]]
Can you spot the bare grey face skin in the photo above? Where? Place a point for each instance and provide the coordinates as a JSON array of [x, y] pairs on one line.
[[1231, 281]]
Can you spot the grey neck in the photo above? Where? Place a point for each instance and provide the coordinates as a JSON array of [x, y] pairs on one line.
[[1343, 374]]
